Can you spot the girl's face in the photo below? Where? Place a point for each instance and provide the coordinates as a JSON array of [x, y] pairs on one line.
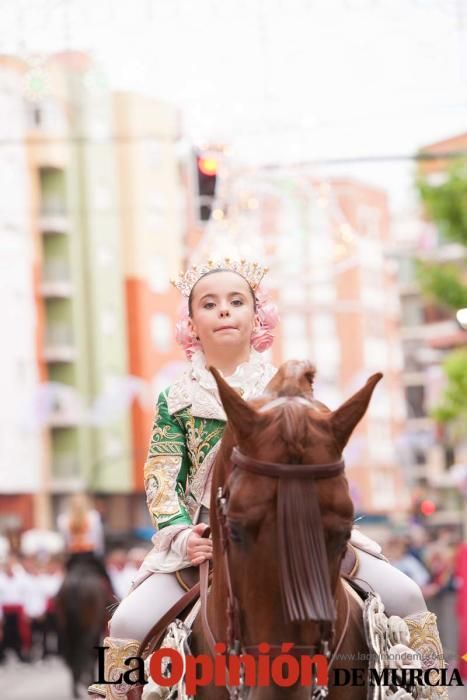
[[223, 314]]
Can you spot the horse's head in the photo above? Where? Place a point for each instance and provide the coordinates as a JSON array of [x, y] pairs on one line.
[[287, 508]]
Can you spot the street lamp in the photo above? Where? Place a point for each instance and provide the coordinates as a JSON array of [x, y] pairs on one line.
[[461, 316]]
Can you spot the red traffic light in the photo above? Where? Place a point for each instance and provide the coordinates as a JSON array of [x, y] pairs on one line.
[[208, 165], [427, 507]]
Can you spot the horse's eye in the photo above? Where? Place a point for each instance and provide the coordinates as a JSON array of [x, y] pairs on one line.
[[236, 532]]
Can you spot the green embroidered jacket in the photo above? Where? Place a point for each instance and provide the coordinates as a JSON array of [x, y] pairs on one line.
[[176, 468]]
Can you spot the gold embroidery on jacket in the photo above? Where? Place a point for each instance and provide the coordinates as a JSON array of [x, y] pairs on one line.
[[162, 494], [424, 637], [165, 439], [199, 441]]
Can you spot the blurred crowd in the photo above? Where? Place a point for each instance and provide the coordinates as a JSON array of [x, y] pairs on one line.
[[437, 562], [28, 625], [28, 586]]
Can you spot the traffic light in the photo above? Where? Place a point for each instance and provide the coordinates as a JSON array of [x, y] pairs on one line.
[[422, 508], [427, 507], [207, 165]]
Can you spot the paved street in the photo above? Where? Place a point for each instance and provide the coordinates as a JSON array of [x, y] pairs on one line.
[[49, 680]]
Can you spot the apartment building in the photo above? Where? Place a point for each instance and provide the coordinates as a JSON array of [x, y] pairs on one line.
[[154, 212], [81, 306], [22, 441], [337, 294], [429, 332]]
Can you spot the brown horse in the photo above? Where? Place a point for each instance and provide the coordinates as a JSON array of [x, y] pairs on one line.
[[285, 533], [82, 614]]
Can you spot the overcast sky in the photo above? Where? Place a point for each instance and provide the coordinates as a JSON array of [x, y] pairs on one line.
[[278, 80]]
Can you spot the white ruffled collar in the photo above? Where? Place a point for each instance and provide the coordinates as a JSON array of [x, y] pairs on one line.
[[198, 388], [244, 373]]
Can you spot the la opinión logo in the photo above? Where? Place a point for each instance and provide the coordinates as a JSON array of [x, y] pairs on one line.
[[167, 667]]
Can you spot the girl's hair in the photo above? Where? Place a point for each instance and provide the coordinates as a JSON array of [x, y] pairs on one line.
[[211, 272], [78, 508], [262, 337]]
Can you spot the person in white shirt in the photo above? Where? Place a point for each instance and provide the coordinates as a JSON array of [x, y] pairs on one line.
[[14, 592]]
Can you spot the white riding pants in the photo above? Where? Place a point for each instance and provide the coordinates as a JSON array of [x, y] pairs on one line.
[[151, 599]]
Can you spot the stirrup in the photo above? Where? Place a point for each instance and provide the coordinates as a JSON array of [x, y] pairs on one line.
[[118, 650], [425, 640]]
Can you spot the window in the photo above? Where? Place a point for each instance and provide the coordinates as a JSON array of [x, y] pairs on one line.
[[380, 442], [412, 314], [161, 332], [411, 351], [415, 398], [406, 271], [158, 275], [369, 221], [295, 340], [384, 493], [432, 313], [109, 322]]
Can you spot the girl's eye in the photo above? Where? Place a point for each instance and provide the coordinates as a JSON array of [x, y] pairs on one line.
[[237, 302], [209, 305]]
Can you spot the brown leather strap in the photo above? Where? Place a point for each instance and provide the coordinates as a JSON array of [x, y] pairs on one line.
[[357, 545], [349, 563], [204, 584], [344, 629], [157, 630], [275, 469]]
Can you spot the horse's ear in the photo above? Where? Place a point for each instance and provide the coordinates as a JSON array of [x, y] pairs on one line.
[[345, 418], [242, 417]]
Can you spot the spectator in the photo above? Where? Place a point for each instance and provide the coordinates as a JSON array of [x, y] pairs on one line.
[[13, 595], [120, 572], [461, 605], [35, 601], [397, 551], [50, 581]]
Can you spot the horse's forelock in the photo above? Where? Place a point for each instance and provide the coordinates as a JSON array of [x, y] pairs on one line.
[[297, 428], [294, 378], [303, 562]]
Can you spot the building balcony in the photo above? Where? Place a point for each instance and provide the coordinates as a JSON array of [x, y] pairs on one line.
[[457, 338], [63, 415], [56, 281], [65, 465], [419, 423], [413, 378], [429, 331], [59, 344], [446, 252], [53, 220], [408, 288], [65, 474]]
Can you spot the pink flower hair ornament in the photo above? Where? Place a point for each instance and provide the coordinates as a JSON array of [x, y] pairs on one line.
[[261, 338]]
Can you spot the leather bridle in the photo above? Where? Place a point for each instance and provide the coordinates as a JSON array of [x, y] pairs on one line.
[[283, 472]]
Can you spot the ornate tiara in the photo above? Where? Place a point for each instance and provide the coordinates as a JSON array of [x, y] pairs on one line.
[[253, 273]]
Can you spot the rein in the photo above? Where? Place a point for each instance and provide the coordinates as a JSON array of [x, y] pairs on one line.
[[303, 566]]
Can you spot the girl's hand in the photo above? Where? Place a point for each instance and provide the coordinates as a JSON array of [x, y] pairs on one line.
[[198, 548]]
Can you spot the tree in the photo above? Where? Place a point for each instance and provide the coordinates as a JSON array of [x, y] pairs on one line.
[[452, 407], [446, 283]]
